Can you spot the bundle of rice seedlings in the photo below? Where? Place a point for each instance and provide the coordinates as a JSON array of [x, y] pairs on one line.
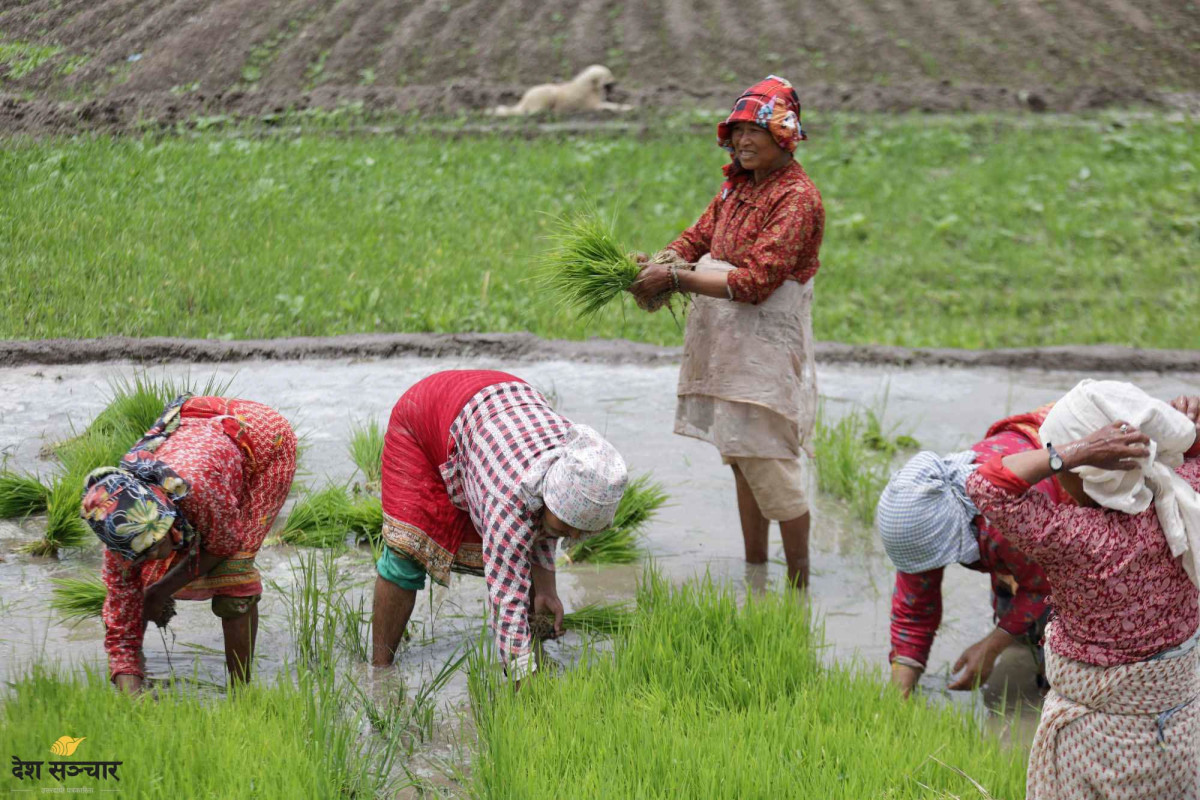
[[598, 619], [64, 527], [365, 520], [620, 543], [319, 519], [77, 599], [586, 267], [84, 453], [366, 450], [21, 495]]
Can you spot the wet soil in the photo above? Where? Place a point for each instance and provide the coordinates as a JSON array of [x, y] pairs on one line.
[[123, 65], [633, 404]]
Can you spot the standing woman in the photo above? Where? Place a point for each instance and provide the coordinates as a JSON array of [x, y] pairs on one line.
[[183, 516], [748, 380]]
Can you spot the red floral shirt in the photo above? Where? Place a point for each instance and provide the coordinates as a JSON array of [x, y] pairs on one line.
[[769, 231], [917, 598], [230, 503], [1119, 594]]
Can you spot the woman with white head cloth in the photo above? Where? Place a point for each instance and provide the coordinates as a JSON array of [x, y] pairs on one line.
[[1121, 720], [481, 476]]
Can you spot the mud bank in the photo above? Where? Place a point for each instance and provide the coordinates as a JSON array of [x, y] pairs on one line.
[[525, 347]]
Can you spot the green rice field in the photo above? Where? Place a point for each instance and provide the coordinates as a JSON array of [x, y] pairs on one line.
[[973, 231], [704, 697]]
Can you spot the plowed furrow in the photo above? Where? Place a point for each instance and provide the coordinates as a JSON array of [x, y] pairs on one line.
[[432, 43], [295, 67]]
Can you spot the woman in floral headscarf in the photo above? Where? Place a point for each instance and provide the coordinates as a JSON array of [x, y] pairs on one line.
[[182, 516], [748, 382]]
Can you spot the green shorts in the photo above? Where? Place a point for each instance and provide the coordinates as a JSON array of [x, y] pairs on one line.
[[404, 572]]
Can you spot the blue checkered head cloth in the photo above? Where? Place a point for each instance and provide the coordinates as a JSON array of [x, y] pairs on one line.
[[925, 518]]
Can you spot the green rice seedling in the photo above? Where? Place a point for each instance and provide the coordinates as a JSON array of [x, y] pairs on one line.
[[620, 544], [319, 519], [304, 729], [21, 495], [600, 619], [847, 467], [366, 450], [586, 268], [708, 695], [77, 599], [365, 522], [64, 527]]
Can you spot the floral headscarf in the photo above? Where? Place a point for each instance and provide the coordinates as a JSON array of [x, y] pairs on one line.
[[131, 507], [773, 104]]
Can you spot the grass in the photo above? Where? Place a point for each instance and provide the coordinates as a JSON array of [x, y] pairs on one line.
[[21, 495], [703, 697], [621, 543], [306, 727], [77, 599], [366, 450], [585, 268], [853, 456], [966, 231]]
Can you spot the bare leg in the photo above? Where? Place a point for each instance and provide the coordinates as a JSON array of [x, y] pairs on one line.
[[795, 549], [391, 610], [240, 636], [755, 527]]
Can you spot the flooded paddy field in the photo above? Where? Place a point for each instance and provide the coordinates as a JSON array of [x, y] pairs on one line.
[[943, 408]]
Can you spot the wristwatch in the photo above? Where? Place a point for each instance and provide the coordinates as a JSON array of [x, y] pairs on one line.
[[1056, 462]]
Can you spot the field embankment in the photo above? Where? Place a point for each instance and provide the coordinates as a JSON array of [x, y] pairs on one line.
[[974, 232], [173, 59]]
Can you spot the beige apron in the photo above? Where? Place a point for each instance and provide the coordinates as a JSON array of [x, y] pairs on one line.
[[748, 383]]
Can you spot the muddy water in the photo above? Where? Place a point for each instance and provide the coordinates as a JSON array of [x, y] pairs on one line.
[[945, 409]]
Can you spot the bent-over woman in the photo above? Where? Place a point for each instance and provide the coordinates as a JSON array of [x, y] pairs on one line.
[[1121, 720], [481, 476], [927, 522], [748, 379], [182, 516]]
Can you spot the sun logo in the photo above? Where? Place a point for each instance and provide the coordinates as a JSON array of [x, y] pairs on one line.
[[66, 745]]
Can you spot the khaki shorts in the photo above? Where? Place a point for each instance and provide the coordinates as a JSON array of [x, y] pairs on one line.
[[780, 485]]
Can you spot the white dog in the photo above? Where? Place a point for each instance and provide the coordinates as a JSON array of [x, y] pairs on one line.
[[588, 91]]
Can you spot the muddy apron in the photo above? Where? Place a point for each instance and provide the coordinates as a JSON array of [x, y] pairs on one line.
[[748, 382]]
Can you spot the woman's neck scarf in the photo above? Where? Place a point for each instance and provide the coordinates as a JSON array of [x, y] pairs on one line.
[[773, 104], [131, 507]]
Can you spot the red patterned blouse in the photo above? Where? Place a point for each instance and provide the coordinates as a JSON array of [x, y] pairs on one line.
[[769, 231], [238, 458], [1119, 595], [917, 598]]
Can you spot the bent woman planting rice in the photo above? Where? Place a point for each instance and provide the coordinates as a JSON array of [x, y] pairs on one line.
[[927, 522], [183, 515], [1121, 720], [748, 380], [481, 476]]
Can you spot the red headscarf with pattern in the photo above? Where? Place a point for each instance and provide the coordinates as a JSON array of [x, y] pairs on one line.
[[773, 104]]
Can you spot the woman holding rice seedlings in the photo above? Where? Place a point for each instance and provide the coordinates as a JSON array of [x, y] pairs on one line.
[[481, 476], [183, 515], [927, 522], [748, 380], [1121, 720]]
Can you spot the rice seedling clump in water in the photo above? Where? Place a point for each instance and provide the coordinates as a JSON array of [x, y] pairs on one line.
[[320, 519], [586, 268], [77, 599], [21, 495], [366, 450]]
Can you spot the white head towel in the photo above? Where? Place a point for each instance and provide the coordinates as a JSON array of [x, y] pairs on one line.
[[1093, 404]]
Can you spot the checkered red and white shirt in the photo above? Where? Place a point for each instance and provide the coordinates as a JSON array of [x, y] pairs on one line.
[[500, 446]]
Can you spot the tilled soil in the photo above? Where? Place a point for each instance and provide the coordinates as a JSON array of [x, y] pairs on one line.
[[123, 62]]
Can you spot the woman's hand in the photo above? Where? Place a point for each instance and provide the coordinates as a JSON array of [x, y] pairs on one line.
[[905, 678], [130, 684], [550, 604], [154, 605], [975, 664], [1116, 446], [653, 280], [1188, 405]]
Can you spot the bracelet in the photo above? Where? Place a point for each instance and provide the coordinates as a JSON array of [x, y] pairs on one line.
[[674, 270]]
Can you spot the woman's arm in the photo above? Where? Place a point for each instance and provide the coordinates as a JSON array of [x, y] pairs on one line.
[[1115, 446], [124, 625]]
